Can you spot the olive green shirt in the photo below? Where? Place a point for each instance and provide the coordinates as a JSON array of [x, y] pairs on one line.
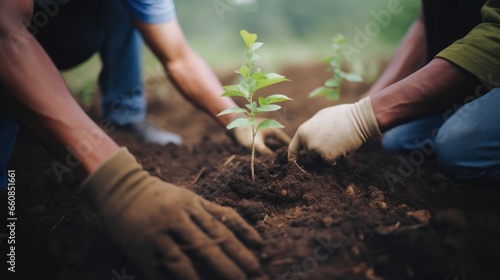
[[479, 51]]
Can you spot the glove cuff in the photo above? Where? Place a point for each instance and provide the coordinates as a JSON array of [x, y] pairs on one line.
[[118, 172], [366, 118]]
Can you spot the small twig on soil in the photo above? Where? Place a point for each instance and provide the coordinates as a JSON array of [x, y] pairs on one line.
[[231, 158], [265, 218], [299, 166], [60, 220], [397, 229], [198, 176]]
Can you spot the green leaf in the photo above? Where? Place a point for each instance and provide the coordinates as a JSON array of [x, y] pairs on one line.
[[231, 111], [254, 57], [249, 38], [235, 90], [328, 59], [334, 63], [268, 108], [243, 71], [256, 46], [263, 101], [252, 107], [233, 93], [240, 122], [276, 98], [258, 76], [319, 92], [271, 79], [352, 77], [333, 82], [333, 95], [269, 124]]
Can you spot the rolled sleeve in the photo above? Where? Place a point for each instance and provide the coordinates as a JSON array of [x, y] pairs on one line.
[[479, 51], [152, 11]]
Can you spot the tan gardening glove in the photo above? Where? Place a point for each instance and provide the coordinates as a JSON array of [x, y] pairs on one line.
[[169, 232], [335, 131], [243, 136]]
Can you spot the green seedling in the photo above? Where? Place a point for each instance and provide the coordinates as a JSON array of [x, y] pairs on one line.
[[253, 80], [331, 88]]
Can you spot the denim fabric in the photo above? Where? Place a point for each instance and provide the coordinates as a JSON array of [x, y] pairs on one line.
[[466, 144]]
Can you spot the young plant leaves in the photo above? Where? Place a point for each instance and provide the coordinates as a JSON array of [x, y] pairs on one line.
[[352, 77], [268, 108], [253, 80], [248, 38], [231, 111], [331, 90], [276, 98], [269, 124], [240, 122]]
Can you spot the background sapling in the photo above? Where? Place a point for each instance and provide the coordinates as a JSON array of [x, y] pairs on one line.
[[253, 80], [331, 88]]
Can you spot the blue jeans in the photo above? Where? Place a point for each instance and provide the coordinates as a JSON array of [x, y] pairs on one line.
[[80, 29], [466, 142]]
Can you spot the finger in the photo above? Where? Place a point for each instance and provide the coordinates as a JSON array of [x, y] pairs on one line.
[[170, 262], [233, 247], [234, 222], [294, 148], [206, 252], [282, 136], [261, 147]]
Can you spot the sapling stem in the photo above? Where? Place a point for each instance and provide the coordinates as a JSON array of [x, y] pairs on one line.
[[331, 88], [253, 80]]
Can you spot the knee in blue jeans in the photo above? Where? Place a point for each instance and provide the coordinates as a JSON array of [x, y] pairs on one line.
[[464, 160], [393, 142]]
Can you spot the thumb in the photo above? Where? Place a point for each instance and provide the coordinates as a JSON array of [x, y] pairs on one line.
[[261, 147], [294, 148]]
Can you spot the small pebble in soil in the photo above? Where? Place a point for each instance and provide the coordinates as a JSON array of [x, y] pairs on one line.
[[422, 216], [351, 190]]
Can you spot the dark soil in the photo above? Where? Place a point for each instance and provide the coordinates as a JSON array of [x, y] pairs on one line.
[[357, 220]]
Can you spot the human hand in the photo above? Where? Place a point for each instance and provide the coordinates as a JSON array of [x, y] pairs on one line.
[[169, 232], [335, 131], [243, 136]]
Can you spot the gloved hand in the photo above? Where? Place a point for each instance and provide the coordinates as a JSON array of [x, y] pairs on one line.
[[169, 232], [335, 131], [243, 136]]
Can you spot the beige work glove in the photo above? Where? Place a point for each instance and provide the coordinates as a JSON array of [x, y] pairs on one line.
[[169, 232], [335, 131], [243, 135]]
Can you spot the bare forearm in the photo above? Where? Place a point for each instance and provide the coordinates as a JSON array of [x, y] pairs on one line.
[[191, 75], [409, 57], [434, 88], [38, 98], [197, 82]]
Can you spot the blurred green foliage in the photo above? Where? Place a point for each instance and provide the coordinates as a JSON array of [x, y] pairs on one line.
[[295, 31]]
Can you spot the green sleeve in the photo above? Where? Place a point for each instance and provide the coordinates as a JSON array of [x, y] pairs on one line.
[[479, 51]]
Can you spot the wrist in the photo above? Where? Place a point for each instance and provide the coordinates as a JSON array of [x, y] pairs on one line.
[[367, 119], [119, 171]]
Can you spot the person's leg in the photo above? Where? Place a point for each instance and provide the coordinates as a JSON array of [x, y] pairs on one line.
[[411, 136], [8, 131], [72, 33], [468, 143], [123, 96]]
